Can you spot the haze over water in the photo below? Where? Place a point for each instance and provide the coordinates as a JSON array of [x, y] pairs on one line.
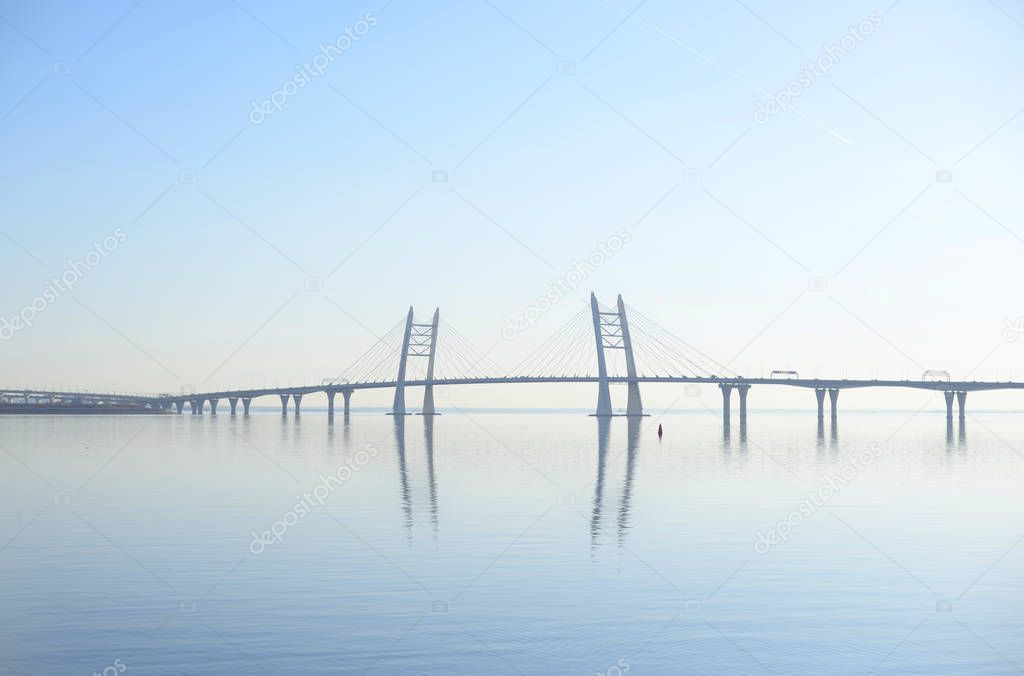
[[500, 543]]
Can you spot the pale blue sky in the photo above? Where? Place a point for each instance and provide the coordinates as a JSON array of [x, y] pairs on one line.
[[541, 166]]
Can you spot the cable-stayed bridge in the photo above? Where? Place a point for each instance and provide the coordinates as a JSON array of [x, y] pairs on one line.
[[600, 345]]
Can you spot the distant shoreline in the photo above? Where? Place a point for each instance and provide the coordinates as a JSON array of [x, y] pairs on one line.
[[75, 409]]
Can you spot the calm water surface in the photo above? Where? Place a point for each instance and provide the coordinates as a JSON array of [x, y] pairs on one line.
[[511, 544]]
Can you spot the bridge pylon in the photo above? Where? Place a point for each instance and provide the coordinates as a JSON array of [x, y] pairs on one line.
[[428, 390], [604, 398], [398, 406], [418, 340], [611, 332], [634, 407]]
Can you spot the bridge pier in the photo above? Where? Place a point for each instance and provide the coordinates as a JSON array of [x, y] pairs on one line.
[[428, 390], [330, 403], [726, 395], [819, 392], [742, 389], [213, 406], [961, 400], [949, 406], [347, 395], [634, 405], [245, 404], [284, 404], [297, 398], [180, 405], [197, 406], [234, 404], [604, 397], [833, 395], [398, 405]]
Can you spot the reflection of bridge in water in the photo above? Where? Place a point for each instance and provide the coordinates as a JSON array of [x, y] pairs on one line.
[[598, 527], [584, 350]]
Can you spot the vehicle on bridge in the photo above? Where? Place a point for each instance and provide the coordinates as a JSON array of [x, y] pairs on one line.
[[784, 374], [935, 375]]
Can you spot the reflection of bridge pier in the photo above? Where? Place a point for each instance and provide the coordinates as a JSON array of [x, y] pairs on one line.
[[633, 429], [632, 444], [428, 439], [403, 475], [604, 426], [404, 484]]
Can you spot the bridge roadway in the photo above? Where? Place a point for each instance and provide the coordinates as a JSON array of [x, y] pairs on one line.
[[832, 386], [809, 383], [951, 389]]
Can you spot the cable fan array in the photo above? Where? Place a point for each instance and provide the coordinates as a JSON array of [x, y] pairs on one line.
[[455, 358], [569, 352], [659, 352]]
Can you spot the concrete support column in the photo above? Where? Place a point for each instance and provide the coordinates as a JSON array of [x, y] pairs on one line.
[[742, 389], [726, 395], [428, 390], [245, 404], [634, 406], [949, 405], [820, 394], [961, 400], [297, 398], [180, 405], [398, 407], [213, 406], [284, 404], [330, 403], [604, 398], [197, 407], [347, 394], [833, 396], [234, 404]]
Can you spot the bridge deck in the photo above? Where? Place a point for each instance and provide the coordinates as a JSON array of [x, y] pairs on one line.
[[808, 383]]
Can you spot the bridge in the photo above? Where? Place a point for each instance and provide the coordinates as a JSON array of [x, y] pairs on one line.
[[581, 351]]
